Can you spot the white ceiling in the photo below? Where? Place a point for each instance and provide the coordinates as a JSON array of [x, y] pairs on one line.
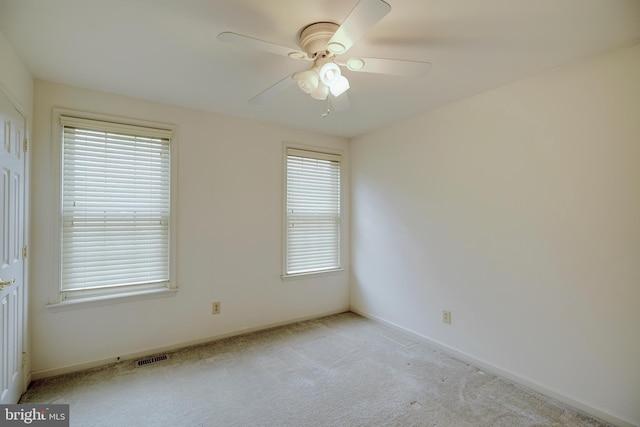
[[167, 51]]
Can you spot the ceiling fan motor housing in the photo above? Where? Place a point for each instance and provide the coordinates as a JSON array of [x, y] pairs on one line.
[[314, 38]]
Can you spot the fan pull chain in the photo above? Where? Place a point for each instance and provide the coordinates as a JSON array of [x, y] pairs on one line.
[[327, 110]]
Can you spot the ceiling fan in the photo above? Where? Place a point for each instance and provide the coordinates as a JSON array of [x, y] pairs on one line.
[[322, 43]]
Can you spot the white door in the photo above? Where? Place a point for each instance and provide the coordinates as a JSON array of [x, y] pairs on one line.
[[12, 185]]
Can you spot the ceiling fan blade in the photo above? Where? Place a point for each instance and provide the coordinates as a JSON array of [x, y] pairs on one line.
[[340, 103], [364, 15], [241, 40], [267, 94], [395, 67]]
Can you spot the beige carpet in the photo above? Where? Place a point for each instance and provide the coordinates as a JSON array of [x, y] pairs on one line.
[[341, 370]]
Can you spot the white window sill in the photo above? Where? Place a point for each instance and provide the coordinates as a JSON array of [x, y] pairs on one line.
[[312, 274], [98, 301]]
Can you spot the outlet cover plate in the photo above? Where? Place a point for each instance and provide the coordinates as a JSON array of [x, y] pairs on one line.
[[446, 317]]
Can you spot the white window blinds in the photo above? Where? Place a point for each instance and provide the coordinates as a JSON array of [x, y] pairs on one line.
[[115, 206], [312, 212]]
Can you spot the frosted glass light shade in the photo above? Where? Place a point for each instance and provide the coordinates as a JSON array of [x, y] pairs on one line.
[[329, 73], [307, 80], [340, 86]]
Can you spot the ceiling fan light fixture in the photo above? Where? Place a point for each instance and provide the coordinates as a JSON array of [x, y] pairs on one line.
[[330, 73], [340, 86], [307, 80]]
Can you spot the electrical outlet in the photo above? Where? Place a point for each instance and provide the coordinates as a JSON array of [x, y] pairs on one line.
[[446, 316], [215, 307]]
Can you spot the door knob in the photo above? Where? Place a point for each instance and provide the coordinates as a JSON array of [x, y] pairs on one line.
[[4, 284]]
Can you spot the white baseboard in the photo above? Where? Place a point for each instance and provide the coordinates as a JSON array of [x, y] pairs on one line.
[[53, 372], [602, 415]]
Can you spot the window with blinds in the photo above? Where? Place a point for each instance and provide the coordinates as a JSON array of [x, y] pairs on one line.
[[312, 242], [115, 208]]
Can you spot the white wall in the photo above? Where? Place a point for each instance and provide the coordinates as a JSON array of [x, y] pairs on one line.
[[519, 211], [15, 78], [229, 239]]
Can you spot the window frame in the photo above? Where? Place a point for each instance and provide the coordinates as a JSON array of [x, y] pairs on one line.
[[83, 298], [329, 152]]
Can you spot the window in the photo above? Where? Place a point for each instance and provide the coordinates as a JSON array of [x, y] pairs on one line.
[[115, 210], [312, 241]]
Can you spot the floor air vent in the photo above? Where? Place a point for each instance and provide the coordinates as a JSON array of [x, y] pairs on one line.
[[151, 360]]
